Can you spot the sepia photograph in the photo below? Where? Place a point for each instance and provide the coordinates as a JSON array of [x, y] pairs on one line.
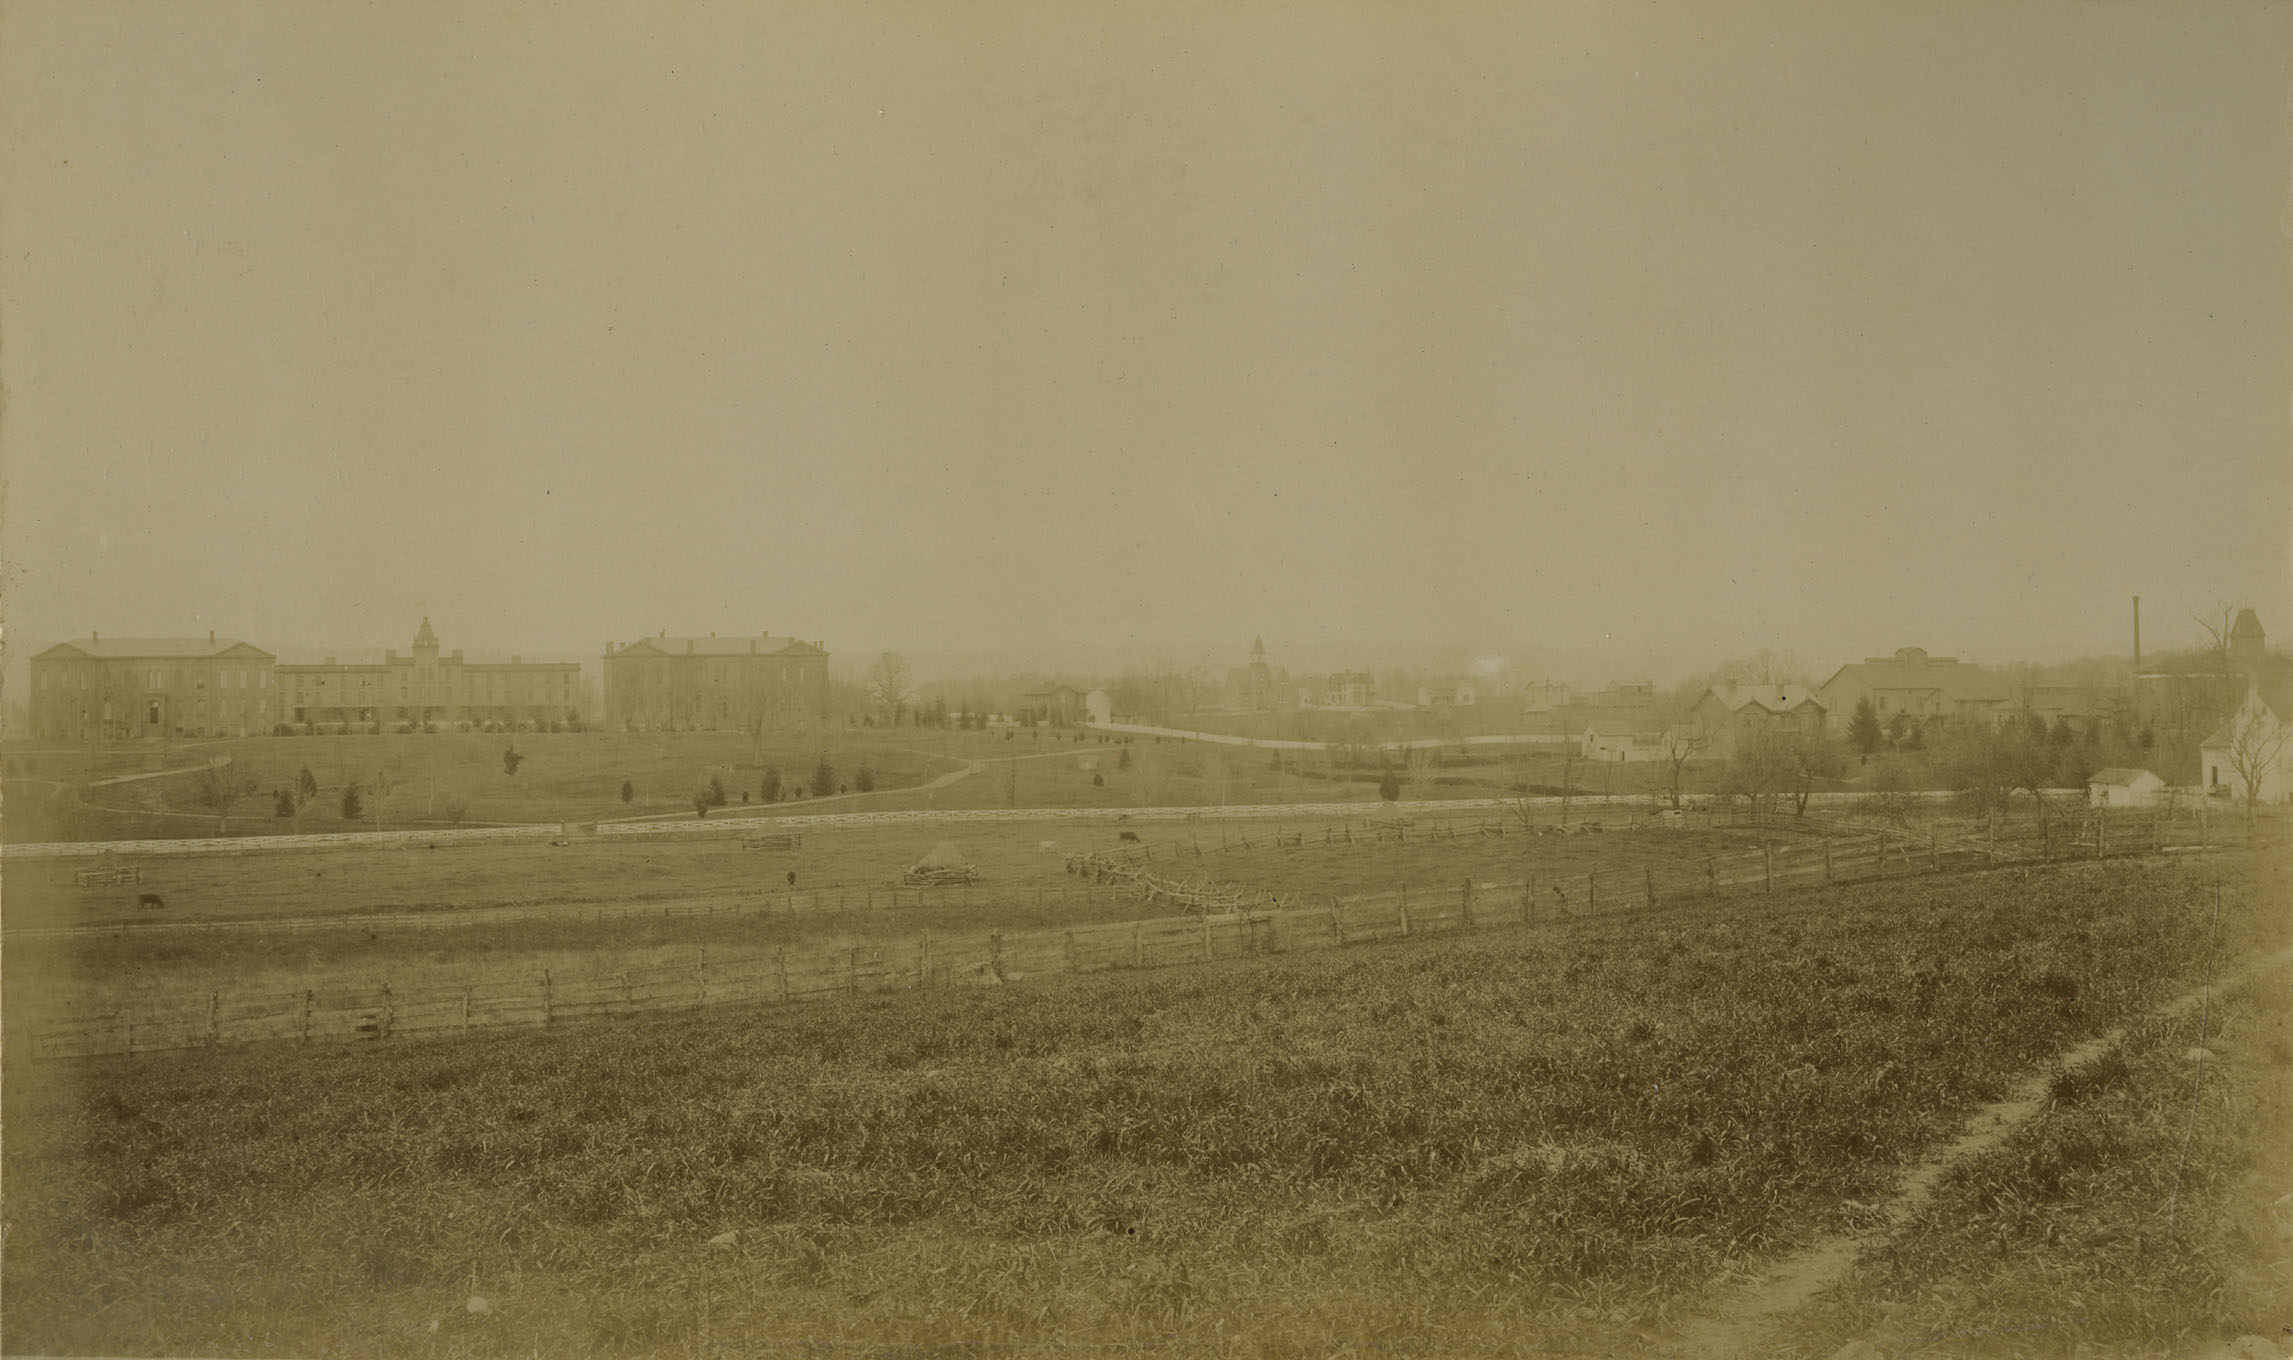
[[1484, 679]]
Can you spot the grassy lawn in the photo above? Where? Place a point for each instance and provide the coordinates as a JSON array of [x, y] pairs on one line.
[[1483, 1143]]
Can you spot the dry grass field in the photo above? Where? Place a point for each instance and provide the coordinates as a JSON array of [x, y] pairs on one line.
[[1499, 1141], [445, 779], [476, 914]]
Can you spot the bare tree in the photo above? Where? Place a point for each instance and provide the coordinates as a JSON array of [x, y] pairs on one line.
[[1682, 742], [888, 685], [2257, 742]]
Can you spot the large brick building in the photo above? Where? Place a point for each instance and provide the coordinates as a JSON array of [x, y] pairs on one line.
[[715, 684], [108, 689], [429, 689]]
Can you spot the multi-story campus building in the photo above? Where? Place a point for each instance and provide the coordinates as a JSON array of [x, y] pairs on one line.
[[713, 684], [109, 689], [429, 689]]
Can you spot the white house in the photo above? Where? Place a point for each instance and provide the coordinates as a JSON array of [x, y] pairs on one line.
[[1099, 707], [2114, 788], [2256, 743]]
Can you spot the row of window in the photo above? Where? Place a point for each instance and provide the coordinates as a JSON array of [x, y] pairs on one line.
[[165, 679]]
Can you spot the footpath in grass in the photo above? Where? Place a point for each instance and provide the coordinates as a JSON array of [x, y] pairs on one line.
[[1492, 1142], [2147, 1211]]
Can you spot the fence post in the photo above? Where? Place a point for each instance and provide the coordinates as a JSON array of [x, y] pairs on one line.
[[308, 998], [1990, 839], [1404, 900], [852, 973], [1528, 898], [1650, 871], [1827, 859], [1711, 876], [1591, 889], [780, 963], [465, 1010], [924, 961], [701, 968], [1138, 946], [2045, 839], [1206, 932], [548, 1009], [1465, 902], [2101, 835], [1337, 923], [389, 1011], [1071, 951], [1934, 851], [1769, 853], [215, 1016]]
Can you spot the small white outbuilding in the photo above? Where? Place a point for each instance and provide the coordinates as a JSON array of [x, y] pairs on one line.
[[2115, 788]]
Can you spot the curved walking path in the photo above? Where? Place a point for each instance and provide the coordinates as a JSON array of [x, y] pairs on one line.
[[1744, 1324]]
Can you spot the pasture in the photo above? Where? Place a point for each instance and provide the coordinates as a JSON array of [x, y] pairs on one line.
[[1563, 1137], [490, 915]]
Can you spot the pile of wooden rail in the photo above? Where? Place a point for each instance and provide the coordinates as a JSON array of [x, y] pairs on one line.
[[1194, 898]]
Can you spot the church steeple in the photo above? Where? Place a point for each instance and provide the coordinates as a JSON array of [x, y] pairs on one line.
[[1258, 649], [425, 641]]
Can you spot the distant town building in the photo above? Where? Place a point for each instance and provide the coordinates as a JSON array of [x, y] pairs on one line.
[[426, 688], [111, 689], [2248, 645], [1447, 694], [1349, 689], [1260, 686], [2123, 788], [713, 684], [1099, 707], [1058, 706], [1913, 685], [1729, 714], [1617, 741]]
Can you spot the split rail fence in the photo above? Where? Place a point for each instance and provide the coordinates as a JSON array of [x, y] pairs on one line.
[[773, 976]]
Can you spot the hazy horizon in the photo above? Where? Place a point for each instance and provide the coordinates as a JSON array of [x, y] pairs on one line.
[[1637, 339]]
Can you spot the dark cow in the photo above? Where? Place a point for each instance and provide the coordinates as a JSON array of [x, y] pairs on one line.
[[150, 900], [1128, 835]]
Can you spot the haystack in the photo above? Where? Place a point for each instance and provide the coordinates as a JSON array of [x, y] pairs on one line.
[[943, 865]]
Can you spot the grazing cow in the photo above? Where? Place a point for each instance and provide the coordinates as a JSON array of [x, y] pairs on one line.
[[1128, 835], [150, 900]]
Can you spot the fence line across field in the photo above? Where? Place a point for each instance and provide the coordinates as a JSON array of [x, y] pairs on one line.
[[720, 975]]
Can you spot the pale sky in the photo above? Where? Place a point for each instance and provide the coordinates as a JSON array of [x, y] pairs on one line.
[[1700, 328]]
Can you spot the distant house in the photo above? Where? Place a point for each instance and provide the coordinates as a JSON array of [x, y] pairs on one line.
[[1349, 689], [2075, 705], [2257, 741], [1058, 706], [2123, 788], [1099, 707], [1615, 741], [1728, 714], [1915, 686], [1447, 694]]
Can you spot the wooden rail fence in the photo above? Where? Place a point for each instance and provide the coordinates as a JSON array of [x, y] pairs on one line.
[[718, 976]]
